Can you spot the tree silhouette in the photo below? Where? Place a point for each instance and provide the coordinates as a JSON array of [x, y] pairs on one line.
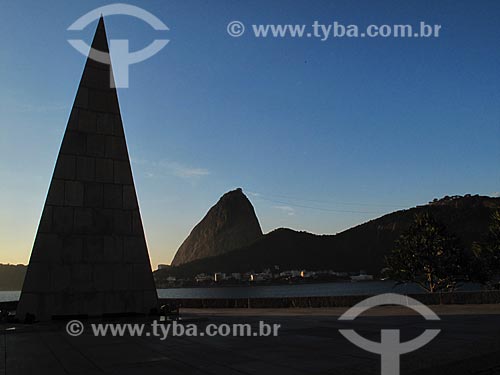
[[428, 256], [486, 264]]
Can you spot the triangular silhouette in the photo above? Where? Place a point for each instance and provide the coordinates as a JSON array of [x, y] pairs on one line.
[[90, 255]]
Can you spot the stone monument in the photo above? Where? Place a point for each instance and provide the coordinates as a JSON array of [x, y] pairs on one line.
[[90, 256]]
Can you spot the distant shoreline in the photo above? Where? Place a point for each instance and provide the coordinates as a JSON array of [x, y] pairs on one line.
[[268, 283]]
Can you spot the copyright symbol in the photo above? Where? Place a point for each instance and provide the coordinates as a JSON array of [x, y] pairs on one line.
[[74, 328], [235, 29]]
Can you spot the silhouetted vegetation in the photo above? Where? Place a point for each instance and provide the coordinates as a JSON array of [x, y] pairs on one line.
[[426, 254], [486, 264]]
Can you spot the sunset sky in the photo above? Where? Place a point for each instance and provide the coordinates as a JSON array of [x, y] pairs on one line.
[[321, 136]]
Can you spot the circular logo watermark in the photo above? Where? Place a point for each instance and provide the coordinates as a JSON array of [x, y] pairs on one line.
[[74, 328], [390, 348], [119, 48], [235, 29]]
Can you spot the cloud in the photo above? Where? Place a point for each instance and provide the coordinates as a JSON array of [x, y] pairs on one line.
[[184, 171], [188, 172], [41, 108], [164, 168], [496, 194], [286, 209]]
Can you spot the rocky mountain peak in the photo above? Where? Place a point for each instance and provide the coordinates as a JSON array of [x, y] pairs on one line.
[[230, 224]]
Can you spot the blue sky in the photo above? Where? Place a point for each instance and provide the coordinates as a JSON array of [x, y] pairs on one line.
[[320, 135]]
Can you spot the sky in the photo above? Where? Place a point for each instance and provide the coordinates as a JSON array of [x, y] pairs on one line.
[[321, 135]]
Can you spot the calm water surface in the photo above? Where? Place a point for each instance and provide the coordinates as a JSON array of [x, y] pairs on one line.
[[297, 290]]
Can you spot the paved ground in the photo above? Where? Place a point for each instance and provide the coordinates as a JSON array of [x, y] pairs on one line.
[[337, 311], [308, 343]]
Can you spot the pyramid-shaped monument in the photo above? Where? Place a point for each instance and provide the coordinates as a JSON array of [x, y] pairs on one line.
[[90, 255]]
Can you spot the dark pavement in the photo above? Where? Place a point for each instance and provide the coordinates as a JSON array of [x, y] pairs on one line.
[[308, 343]]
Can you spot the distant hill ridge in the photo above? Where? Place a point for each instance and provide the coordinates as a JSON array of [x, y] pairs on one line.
[[12, 276], [361, 247]]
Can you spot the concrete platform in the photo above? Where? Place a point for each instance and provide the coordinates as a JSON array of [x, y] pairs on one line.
[[308, 343]]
